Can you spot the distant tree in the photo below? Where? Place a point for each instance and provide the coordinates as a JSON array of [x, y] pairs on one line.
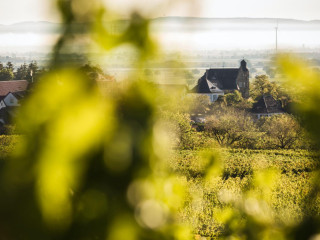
[[262, 85], [21, 72], [233, 98], [34, 66], [10, 66], [30, 72], [229, 126], [185, 137], [33, 72], [6, 74], [92, 71], [91, 68], [282, 130]]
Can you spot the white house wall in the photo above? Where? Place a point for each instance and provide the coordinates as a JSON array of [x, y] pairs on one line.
[[260, 115], [2, 104], [212, 96], [11, 101]]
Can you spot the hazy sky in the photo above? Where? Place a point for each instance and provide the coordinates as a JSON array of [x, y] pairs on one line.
[[13, 11]]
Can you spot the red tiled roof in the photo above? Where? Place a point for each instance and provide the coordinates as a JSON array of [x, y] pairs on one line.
[[12, 86]]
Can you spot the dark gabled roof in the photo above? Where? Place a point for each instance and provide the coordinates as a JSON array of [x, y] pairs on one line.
[[19, 95], [219, 79], [267, 104], [225, 78], [12, 86], [202, 86], [206, 87]]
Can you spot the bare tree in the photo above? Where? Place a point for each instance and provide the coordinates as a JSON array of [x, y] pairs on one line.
[[229, 126], [283, 130]]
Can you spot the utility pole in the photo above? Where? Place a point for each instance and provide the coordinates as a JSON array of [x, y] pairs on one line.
[[277, 37], [31, 74]]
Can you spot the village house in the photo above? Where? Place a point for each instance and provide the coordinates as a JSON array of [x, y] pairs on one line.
[[267, 106], [11, 93], [219, 81]]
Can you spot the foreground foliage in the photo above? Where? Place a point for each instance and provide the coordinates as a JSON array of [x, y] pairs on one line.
[[93, 166], [90, 165]]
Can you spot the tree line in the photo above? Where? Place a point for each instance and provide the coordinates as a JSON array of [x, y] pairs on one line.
[[236, 128], [29, 72], [32, 72]]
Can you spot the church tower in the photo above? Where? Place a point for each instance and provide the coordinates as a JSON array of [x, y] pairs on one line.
[[243, 79]]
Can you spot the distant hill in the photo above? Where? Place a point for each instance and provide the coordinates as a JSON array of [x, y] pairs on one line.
[[182, 24], [194, 24], [32, 27]]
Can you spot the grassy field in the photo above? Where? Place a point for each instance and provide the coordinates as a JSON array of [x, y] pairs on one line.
[[279, 179]]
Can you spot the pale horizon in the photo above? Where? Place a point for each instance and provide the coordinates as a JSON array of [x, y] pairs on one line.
[[16, 11], [59, 22]]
